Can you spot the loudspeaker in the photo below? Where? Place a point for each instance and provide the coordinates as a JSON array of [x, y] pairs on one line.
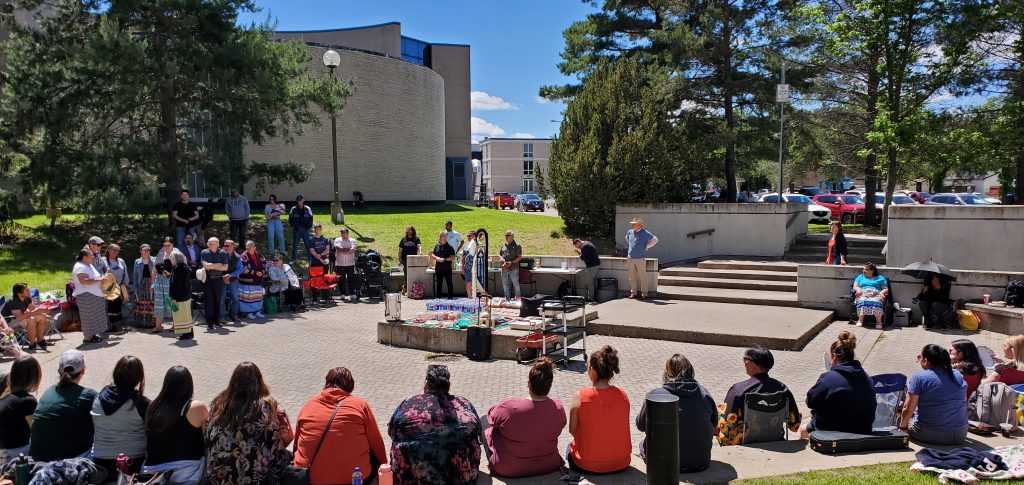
[[478, 343]]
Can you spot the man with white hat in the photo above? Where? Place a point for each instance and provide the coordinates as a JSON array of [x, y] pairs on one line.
[[638, 240]]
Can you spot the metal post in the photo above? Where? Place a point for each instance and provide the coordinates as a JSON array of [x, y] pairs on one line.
[[337, 214], [662, 439], [782, 121]]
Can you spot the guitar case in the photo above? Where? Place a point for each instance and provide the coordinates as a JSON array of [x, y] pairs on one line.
[[833, 442]]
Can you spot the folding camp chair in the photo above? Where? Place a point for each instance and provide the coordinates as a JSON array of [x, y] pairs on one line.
[[890, 394], [53, 325], [198, 306], [320, 289], [764, 417], [888, 308]]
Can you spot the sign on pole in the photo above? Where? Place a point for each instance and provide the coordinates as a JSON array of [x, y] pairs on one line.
[[781, 93]]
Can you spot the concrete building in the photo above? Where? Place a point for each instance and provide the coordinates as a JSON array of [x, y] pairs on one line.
[[404, 134], [511, 164]]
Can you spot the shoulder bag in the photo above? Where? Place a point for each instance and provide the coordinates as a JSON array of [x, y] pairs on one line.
[[293, 475]]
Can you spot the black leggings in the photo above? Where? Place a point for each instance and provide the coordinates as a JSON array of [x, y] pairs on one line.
[[443, 277]]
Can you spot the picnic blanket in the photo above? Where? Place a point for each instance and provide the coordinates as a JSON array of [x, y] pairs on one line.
[[1012, 456]]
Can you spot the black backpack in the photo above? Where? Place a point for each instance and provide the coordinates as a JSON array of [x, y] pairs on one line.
[[565, 289], [1015, 293]]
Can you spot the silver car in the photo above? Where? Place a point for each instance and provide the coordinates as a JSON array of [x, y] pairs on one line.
[[956, 199]]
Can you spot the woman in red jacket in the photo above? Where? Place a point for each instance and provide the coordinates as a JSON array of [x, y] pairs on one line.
[[353, 439]]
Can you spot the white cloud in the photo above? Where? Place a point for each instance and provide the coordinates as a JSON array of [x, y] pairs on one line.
[[942, 97], [521, 134], [542, 100], [481, 101], [480, 128]]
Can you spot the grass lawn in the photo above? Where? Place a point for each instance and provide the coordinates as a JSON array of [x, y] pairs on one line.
[[885, 474], [848, 229], [42, 256]]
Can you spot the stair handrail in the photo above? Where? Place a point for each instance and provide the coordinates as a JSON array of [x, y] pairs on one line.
[[693, 235]]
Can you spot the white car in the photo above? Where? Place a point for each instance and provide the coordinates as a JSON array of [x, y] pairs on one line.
[[989, 198], [816, 214]]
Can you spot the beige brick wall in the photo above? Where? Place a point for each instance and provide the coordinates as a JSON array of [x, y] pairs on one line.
[[503, 163], [385, 38], [391, 138]]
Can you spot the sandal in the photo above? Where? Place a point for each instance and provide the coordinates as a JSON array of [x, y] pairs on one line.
[[157, 329], [878, 326]]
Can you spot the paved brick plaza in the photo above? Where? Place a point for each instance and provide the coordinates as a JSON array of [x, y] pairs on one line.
[[295, 352]]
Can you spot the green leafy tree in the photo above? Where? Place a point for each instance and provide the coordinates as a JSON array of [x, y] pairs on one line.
[[125, 95]]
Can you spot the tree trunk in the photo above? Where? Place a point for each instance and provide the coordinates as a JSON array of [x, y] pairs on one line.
[[871, 163], [1018, 192], [169, 168], [730, 118]]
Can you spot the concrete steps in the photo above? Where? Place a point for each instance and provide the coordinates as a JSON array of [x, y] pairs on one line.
[[727, 283], [812, 249], [722, 295], [731, 274], [740, 265]]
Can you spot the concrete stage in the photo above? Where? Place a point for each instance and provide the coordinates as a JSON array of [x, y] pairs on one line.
[[776, 328]]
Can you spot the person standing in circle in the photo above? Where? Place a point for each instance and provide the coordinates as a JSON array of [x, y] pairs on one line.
[[638, 241]]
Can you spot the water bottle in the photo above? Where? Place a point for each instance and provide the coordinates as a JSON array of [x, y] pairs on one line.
[[384, 476], [22, 471], [357, 477]]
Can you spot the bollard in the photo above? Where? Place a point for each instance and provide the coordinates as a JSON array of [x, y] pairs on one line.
[[662, 439]]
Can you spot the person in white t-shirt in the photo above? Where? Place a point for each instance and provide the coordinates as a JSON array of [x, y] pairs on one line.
[[92, 306]]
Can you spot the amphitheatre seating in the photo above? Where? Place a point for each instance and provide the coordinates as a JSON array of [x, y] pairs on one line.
[[1005, 320]]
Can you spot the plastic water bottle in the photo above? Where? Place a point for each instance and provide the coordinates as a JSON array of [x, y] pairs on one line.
[[357, 477], [22, 471], [384, 476]]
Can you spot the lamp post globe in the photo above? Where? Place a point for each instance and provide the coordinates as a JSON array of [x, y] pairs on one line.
[[332, 60]]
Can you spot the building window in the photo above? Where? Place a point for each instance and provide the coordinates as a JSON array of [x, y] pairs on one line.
[[415, 51], [527, 168], [527, 150], [527, 185]]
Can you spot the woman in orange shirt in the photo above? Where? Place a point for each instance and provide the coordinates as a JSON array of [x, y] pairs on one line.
[[599, 420], [353, 439]]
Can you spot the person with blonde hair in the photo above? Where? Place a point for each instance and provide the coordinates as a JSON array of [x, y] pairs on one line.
[[1011, 370], [842, 399], [698, 415]]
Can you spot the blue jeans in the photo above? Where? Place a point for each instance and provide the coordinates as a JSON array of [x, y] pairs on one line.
[[297, 234], [179, 233], [275, 230], [231, 291]]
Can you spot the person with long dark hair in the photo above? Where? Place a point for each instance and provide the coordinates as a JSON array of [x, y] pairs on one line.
[[410, 244], [118, 416], [837, 250], [870, 291], [936, 411], [174, 429], [17, 404], [599, 419], [92, 305], [247, 433], [842, 399], [935, 304], [966, 359], [698, 415], [61, 425], [352, 439]]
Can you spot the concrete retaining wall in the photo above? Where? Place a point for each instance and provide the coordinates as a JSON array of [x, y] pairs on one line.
[[759, 229], [611, 267], [973, 237], [820, 286]]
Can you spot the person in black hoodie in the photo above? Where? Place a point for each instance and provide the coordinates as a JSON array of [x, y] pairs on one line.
[[698, 415], [842, 399]]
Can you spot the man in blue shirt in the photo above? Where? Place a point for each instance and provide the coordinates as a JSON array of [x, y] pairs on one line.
[[638, 240]]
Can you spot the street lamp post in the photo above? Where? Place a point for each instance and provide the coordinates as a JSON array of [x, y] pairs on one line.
[[333, 60]]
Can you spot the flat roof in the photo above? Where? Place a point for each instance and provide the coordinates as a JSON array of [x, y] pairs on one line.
[[337, 29], [515, 139]]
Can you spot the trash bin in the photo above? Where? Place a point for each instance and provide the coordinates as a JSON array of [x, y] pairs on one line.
[[607, 289]]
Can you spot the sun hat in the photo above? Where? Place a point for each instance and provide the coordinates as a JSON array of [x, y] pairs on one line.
[[637, 220]]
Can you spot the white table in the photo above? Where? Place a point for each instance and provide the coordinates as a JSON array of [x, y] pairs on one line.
[[566, 274]]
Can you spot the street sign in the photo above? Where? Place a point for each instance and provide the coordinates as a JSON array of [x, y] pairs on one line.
[[781, 93]]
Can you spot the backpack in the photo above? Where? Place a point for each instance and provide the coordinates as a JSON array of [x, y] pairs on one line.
[[565, 289], [993, 402], [1015, 293], [417, 290]]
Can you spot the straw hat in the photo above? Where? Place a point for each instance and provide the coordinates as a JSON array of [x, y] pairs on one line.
[[637, 220]]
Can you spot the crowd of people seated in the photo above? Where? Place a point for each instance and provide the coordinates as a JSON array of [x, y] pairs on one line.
[[437, 436]]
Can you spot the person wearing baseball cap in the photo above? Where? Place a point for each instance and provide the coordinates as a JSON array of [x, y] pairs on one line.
[[95, 246], [62, 426], [639, 240], [301, 220]]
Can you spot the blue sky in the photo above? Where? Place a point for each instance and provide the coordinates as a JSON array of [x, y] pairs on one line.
[[514, 47]]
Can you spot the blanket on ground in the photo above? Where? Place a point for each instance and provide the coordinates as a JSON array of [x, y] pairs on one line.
[[1012, 457]]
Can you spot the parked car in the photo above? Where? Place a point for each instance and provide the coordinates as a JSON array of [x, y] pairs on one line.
[[956, 199], [816, 214], [845, 207], [896, 199], [920, 197], [990, 199], [501, 200], [550, 202], [857, 192], [809, 191], [530, 202]]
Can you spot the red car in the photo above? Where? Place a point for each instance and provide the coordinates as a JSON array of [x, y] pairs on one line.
[[845, 207], [501, 200]]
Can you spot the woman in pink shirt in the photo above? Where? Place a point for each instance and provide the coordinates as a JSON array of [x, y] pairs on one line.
[[523, 438]]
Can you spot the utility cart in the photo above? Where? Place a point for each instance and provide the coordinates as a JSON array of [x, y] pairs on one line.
[[559, 328]]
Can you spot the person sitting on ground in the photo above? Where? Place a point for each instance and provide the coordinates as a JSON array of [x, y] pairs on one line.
[[757, 361], [118, 417], [61, 425], [8, 340], [21, 312], [870, 291], [935, 304], [843, 398], [936, 412], [284, 281], [174, 429], [248, 432], [522, 439], [352, 439], [698, 415], [599, 419], [965, 358], [1010, 371], [17, 405], [435, 436]]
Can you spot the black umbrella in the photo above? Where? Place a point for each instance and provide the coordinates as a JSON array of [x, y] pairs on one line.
[[925, 269]]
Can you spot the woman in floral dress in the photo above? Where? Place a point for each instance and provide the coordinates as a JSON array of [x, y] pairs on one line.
[[248, 433]]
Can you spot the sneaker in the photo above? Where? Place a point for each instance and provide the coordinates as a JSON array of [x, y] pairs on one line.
[[860, 324], [641, 296], [260, 315], [631, 296], [31, 348], [42, 344]]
